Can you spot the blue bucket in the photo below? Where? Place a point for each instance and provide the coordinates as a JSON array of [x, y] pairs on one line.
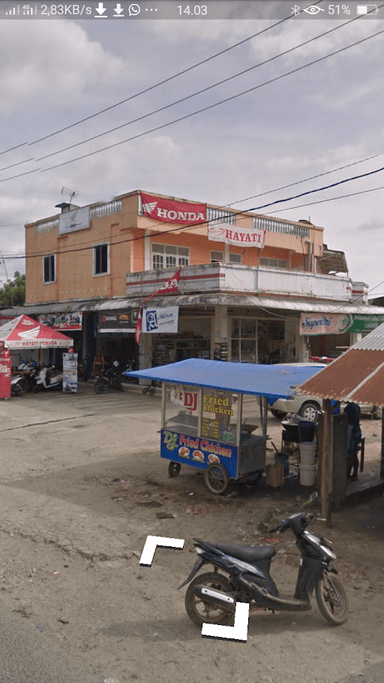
[[283, 458]]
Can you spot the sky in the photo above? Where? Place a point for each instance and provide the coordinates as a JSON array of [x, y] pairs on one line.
[[54, 73]]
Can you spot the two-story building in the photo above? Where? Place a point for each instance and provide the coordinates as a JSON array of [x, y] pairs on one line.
[[252, 288]]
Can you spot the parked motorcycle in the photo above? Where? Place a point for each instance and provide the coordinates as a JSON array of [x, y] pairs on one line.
[[25, 380], [150, 388], [110, 379], [211, 597], [48, 378]]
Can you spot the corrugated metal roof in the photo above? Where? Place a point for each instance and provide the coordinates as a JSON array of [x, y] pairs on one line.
[[207, 299], [272, 381], [374, 341], [344, 375]]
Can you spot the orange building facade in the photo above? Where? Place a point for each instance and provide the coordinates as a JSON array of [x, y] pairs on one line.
[[246, 280]]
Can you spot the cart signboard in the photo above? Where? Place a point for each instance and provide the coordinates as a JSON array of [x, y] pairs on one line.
[[198, 452]]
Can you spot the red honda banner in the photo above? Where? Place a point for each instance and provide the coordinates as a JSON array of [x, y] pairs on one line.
[[171, 286], [170, 211]]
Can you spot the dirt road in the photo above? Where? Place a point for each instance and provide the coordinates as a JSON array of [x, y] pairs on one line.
[[82, 487]]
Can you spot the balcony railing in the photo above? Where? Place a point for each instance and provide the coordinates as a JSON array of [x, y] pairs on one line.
[[225, 278]]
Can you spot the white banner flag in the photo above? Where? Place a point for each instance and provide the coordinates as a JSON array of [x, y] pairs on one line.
[[239, 237]]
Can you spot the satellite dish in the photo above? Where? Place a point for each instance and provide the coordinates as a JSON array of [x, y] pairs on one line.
[[70, 193]]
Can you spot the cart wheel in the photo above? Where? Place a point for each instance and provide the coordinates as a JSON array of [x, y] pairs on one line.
[[174, 469], [216, 478]]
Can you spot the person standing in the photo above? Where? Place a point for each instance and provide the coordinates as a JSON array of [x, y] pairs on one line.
[[353, 439]]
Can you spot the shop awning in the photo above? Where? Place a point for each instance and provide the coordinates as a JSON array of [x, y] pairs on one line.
[[206, 300], [272, 381]]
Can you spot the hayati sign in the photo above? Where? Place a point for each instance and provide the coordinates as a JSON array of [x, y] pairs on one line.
[[238, 237], [337, 323], [170, 211]]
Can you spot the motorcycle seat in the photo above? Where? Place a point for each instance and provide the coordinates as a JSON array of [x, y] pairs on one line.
[[247, 553]]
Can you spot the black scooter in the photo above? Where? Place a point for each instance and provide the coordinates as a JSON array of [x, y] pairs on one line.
[[110, 379], [211, 598]]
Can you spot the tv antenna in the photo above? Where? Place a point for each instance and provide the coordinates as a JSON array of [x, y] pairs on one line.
[[65, 191]]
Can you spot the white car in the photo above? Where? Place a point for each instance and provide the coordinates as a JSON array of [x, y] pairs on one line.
[[308, 407]]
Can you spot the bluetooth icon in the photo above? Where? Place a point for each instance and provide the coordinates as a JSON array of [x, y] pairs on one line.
[[295, 10]]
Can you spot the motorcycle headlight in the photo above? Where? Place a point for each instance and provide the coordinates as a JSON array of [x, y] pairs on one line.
[[328, 552]]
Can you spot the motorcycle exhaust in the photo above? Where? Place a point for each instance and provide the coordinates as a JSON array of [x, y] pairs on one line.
[[215, 597]]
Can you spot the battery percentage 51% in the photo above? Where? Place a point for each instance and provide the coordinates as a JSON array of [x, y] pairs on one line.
[[339, 10]]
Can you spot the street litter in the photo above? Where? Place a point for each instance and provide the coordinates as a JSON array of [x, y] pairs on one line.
[[196, 511]]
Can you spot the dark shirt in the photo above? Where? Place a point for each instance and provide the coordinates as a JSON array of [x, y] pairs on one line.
[[353, 412]]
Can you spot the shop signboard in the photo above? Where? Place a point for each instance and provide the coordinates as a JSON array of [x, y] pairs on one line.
[[199, 452], [118, 321], [70, 378], [238, 237], [159, 320], [78, 219], [337, 323], [170, 211], [62, 321]]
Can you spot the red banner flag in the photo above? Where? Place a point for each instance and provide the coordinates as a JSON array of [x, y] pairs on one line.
[[171, 286]]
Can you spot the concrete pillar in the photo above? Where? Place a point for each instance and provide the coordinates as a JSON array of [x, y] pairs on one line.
[[220, 337]]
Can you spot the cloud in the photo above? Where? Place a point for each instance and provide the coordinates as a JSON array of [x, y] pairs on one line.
[[52, 66]]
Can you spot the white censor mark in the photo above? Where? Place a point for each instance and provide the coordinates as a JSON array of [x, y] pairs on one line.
[[163, 542], [238, 631]]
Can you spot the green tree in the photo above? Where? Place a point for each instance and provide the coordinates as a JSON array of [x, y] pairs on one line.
[[13, 292]]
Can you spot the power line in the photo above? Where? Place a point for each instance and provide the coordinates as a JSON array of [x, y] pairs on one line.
[[166, 80], [216, 104], [201, 223], [331, 199], [198, 92]]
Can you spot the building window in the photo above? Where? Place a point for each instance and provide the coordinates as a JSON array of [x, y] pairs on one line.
[[169, 256], [234, 258], [49, 268], [100, 258], [273, 263], [217, 257]]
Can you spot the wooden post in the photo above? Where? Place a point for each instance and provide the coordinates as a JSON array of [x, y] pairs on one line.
[[326, 460]]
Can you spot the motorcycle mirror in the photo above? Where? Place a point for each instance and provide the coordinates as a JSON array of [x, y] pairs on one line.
[[312, 498]]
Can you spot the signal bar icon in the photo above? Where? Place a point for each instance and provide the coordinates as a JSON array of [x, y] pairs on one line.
[[14, 11]]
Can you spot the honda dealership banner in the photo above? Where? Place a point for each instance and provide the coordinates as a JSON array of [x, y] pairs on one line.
[[239, 237], [169, 211], [118, 321], [337, 323], [160, 319], [62, 321], [78, 219]]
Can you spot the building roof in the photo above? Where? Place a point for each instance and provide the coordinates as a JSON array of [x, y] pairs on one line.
[[272, 381], [191, 300], [357, 375]]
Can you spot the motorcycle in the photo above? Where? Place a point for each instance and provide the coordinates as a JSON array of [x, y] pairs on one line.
[[110, 379], [150, 388], [26, 379], [211, 597], [48, 378]]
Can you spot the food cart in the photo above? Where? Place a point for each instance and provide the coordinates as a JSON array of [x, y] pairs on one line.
[[210, 411]]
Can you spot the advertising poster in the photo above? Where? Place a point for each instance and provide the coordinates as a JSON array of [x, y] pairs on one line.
[[337, 323], [70, 379], [239, 237], [161, 319], [200, 453], [62, 321]]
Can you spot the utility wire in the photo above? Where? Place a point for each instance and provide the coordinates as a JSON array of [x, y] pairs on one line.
[[167, 80], [216, 104], [198, 92], [204, 222]]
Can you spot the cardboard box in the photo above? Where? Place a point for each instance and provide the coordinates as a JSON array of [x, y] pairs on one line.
[[275, 475]]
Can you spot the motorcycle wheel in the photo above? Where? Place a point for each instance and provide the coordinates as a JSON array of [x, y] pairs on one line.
[[101, 388], [332, 600], [17, 390], [201, 612], [216, 478]]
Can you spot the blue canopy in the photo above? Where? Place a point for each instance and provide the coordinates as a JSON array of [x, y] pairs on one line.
[[272, 381]]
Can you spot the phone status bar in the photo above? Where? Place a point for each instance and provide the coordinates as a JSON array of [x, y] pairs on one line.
[[115, 10]]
